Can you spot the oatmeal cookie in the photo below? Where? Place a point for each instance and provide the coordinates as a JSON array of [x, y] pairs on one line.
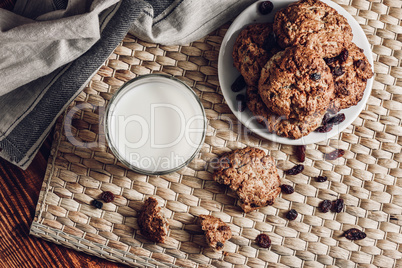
[[296, 83], [252, 49], [314, 25], [252, 175], [216, 231], [152, 224], [288, 128], [350, 70]]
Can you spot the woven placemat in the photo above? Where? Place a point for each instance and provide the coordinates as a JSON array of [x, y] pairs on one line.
[[366, 177]]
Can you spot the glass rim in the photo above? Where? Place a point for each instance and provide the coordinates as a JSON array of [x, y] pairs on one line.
[[120, 157]]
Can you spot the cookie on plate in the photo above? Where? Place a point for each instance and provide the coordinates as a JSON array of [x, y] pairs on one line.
[[252, 175], [152, 224], [288, 128], [216, 231], [252, 49], [296, 83], [314, 25], [350, 70]]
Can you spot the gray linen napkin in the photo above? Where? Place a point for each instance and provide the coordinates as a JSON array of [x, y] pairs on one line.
[[50, 49]]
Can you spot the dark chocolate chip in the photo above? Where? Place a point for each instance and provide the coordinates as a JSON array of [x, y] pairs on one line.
[[343, 56], [269, 42], [315, 76], [338, 71]]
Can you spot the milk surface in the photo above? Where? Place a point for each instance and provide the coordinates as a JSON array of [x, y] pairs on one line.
[[156, 125]]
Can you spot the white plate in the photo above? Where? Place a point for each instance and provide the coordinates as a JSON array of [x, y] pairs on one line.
[[228, 73]]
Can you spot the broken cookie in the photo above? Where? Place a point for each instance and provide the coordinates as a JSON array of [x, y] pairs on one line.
[[152, 224], [216, 231], [252, 175]]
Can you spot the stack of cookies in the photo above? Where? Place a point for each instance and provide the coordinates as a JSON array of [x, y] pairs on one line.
[[301, 67]]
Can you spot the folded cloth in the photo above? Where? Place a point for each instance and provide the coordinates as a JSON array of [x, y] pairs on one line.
[[50, 49]]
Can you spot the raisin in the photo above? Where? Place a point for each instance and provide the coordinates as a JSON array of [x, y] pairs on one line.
[[263, 240], [324, 129], [238, 84], [338, 71], [329, 60], [223, 228], [241, 102], [315, 76], [337, 205], [287, 189], [337, 119], [321, 178], [266, 7], [219, 245], [301, 152], [269, 42], [97, 204], [325, 119], [343, 56], [354, 234], [334, 154], [295, 170], [291, 215], [325, 206], [107, 196]]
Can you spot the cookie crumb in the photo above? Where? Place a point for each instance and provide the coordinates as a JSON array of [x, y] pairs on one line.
[[152, 224], [216, 231]]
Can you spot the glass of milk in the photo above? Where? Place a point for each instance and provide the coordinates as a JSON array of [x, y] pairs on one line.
[[155, 124]]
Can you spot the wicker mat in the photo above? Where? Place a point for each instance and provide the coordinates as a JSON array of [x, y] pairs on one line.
[[366, 177]]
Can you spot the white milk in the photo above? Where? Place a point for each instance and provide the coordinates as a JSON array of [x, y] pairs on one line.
[[155, 124]]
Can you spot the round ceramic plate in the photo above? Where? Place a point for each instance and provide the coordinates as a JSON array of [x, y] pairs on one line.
[[228, 73]]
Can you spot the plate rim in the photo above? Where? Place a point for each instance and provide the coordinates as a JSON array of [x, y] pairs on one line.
[[245, 116]]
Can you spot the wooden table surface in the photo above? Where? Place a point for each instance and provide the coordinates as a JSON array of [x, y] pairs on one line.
[[19, 192]]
